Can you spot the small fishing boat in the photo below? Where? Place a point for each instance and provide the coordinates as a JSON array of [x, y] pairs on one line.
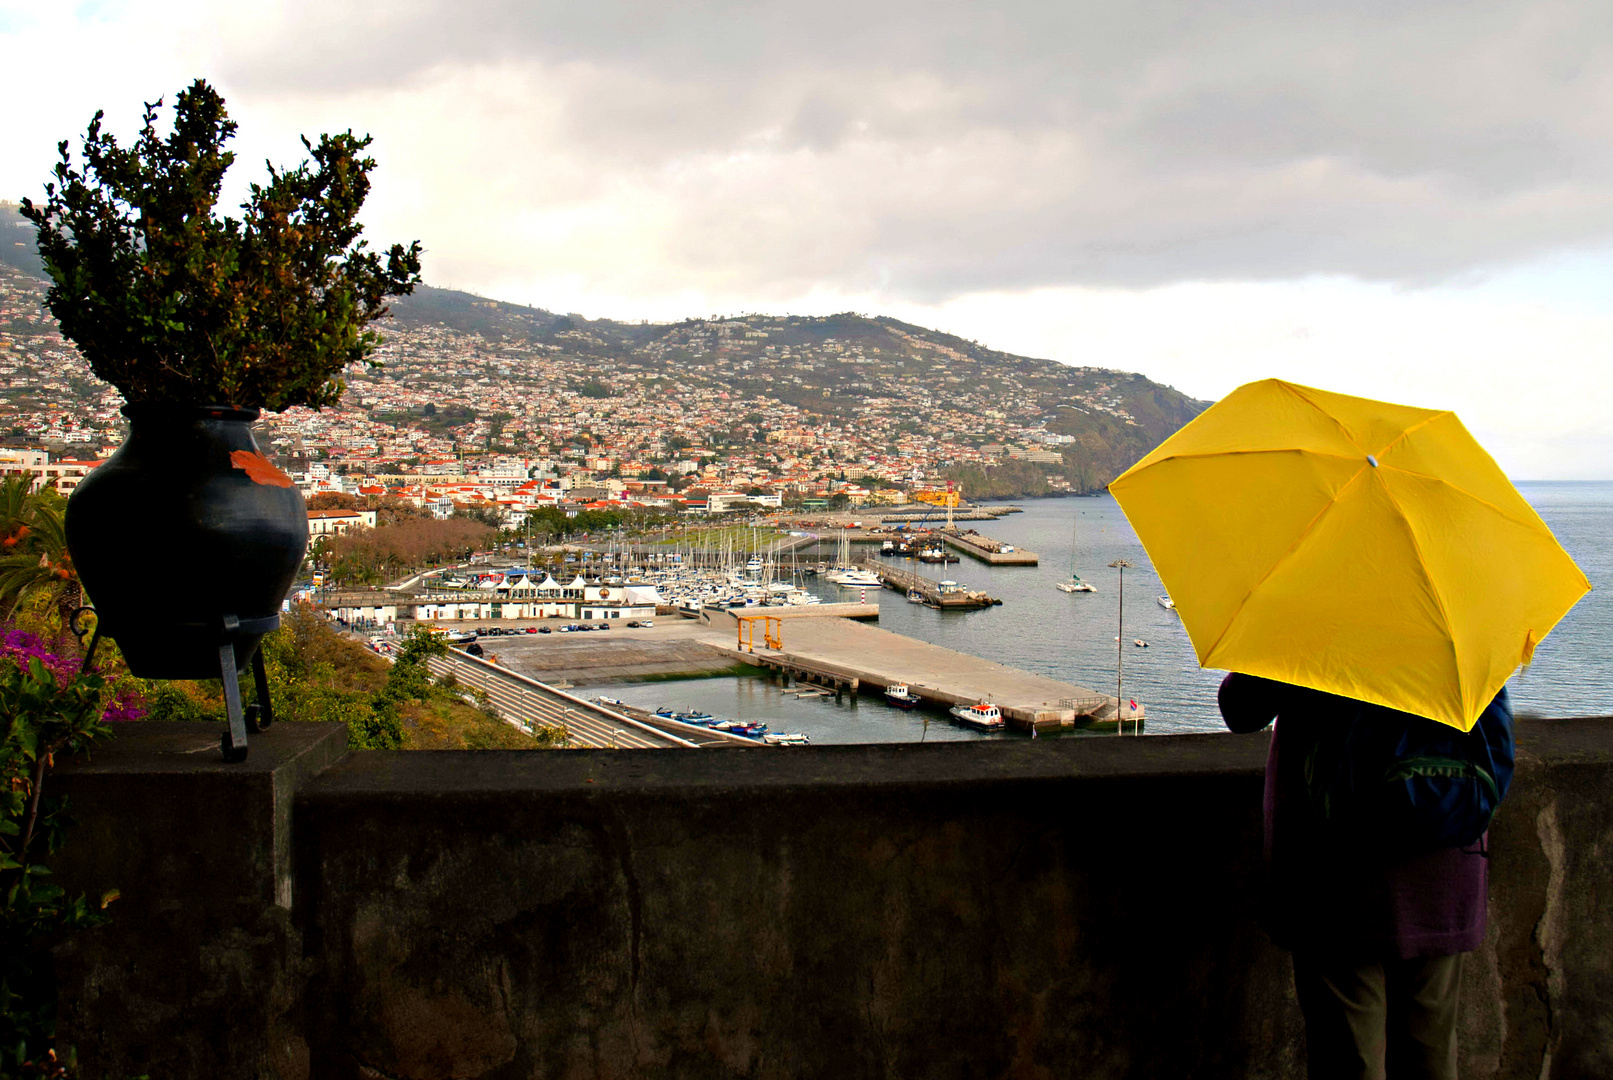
[[1165, 602], [1140, 643], [900, 696], [783, 738], [749, 730], [915, 597], [984, 716]]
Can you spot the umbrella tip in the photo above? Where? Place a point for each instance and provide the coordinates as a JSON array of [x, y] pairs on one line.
[[1372, 460]]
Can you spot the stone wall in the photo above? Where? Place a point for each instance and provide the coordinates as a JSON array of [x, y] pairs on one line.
[[1071, 907]]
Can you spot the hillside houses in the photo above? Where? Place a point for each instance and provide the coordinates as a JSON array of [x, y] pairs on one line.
[[586, 413]]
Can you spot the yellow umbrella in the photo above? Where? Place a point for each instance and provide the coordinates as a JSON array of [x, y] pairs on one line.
[[1348, 545]]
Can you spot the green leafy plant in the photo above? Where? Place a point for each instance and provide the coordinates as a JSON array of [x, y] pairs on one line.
[[43, 713], [171, 303], [34, 561]]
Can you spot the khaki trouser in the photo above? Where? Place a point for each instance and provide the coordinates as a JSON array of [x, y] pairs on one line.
[[1379, 1019]]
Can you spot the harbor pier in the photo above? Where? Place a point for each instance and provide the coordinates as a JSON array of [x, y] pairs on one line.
[[936, 594], [860, 656], [987, 550]]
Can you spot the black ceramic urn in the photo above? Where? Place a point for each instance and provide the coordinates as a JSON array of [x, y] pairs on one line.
[[186, 538]]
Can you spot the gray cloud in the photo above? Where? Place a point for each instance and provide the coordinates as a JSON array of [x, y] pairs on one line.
[[929, 149]]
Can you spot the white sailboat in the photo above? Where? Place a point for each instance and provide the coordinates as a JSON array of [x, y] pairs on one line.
[[1075, 584], [849, 575]]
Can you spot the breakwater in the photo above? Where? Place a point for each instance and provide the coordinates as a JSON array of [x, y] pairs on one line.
[[937, 594], [989, 551]]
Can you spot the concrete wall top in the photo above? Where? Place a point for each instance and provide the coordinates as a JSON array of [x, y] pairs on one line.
[[1070, 907]]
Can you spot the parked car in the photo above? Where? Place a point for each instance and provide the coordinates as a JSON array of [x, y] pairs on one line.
[[568, 628], [544, 630], [603, 626], [532, 629]]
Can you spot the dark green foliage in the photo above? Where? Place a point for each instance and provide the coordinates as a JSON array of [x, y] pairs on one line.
[[408, 681], [314, 674], [1008, 480], [170, 701], [40, 719], [170, 303]]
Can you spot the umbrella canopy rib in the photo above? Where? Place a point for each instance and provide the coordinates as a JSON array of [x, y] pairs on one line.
[[1276, 565], [1433, 590], [1532, 522]]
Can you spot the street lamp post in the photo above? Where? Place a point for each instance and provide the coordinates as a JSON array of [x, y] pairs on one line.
[[1120, 646]]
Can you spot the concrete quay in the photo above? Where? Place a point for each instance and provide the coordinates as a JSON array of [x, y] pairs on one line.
[[906, 581], [987, 550], [867, 658]]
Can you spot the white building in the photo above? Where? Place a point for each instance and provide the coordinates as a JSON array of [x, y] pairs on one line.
[[338, 522]]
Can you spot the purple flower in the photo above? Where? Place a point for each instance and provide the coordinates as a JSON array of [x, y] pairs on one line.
[[21, 646]]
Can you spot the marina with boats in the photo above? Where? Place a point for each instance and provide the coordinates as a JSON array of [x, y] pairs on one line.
[[815, 682]]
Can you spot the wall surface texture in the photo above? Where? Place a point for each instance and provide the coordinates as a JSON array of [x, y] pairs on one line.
[[1080, 907]]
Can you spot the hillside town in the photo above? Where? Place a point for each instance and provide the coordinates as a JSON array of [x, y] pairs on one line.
[[480, 406]]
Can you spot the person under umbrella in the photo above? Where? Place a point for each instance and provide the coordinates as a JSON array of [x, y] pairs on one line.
[[1371, 579]]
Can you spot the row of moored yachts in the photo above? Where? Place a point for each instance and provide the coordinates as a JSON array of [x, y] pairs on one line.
[[690, 591], [750, 729]]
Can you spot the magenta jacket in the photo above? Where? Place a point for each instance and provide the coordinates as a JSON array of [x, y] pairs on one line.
[[1323, 895]]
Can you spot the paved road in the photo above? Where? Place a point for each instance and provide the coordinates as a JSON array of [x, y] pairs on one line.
[[586, 725]]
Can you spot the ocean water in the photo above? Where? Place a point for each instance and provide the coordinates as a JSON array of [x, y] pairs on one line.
[[1072, 636]]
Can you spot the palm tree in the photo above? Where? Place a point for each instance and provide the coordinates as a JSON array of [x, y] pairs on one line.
[[34, 561]]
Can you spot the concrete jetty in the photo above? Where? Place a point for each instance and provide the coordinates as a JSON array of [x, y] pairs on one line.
[[936, 594], [986, 549], [863, 657], [925, 512]]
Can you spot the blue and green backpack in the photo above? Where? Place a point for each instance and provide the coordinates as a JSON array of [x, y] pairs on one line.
[[1405, 782]]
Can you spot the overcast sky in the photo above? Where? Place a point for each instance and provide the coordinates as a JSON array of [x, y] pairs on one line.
[[1404, 200]]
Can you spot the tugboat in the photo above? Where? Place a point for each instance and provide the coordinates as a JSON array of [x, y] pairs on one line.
[[984, 716], [899, 695]]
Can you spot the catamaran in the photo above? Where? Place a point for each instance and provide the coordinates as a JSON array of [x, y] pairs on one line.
[[1075, 584]]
